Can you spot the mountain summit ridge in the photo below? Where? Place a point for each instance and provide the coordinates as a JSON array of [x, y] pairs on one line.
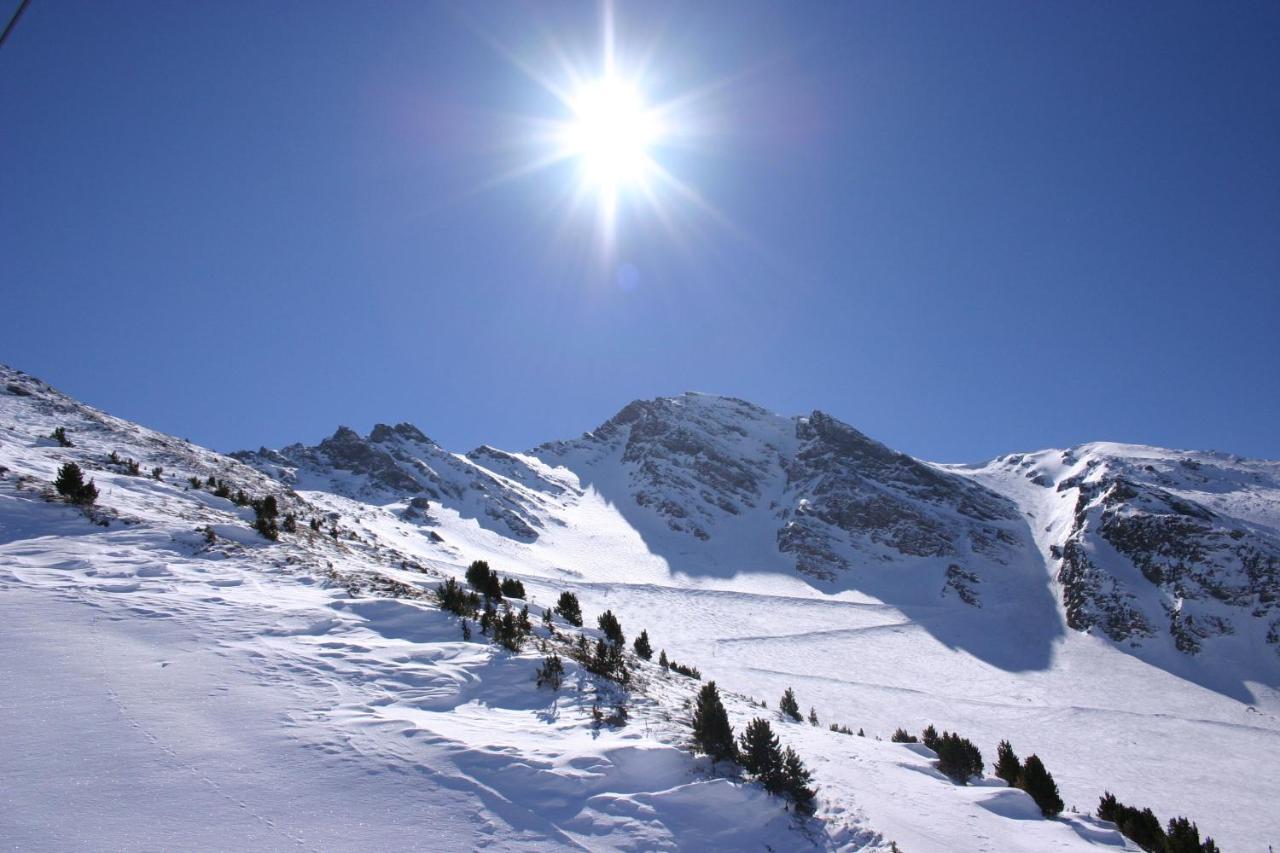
[[1148, 545]]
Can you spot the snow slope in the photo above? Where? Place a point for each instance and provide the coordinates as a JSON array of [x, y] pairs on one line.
[[298, 700]]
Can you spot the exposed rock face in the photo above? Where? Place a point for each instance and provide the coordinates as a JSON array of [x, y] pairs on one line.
[[1162, 542], [876, 496], [833, 496]]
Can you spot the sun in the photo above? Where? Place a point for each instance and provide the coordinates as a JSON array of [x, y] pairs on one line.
[[618, 131], [611, 133]]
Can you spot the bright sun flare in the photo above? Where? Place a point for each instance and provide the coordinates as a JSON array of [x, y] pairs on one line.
[[611, 133]]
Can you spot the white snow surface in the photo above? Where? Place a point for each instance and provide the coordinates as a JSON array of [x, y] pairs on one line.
[[162, 692]]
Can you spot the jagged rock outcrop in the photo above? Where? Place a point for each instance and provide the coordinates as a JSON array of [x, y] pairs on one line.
[[833, 496], [1162, 543], [400, 463]]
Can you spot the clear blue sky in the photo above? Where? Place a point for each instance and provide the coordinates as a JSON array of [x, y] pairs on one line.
[[965, 228]]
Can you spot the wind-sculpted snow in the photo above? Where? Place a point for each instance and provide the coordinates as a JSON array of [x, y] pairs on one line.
[[177, 681]]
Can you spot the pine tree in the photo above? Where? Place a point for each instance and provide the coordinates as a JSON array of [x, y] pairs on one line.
[[453, 597], [551, 673], [797, 781], [508, 631], [478, 575], [1183, 836], [1007, 765], [813, 716], [761, 754], [958, 758], [900, 736], [607, 661], [1037, 782], [662, 660], [569, 608], [642, 647], [789, 706], [712, 733], [513, 588], [929, 737], [59, 435], [71, 485], [1140, 827], [611, 627], [265, 512]]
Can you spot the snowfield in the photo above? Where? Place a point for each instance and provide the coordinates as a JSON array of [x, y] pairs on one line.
[[165, 690]]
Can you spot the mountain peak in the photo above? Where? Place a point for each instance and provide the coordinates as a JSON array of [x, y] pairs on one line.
[[404, 430]]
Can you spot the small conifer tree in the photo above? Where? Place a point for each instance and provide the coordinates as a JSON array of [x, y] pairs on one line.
[[478, 575], [1007, 765], [1037, 782], [513, 588], [900, 736], [642, 647], [712, 733], [567, 606], [761, 754], [1183, 836], [266, 512], [59, 435], [958, 758], [797, 781], [929, 737], [551, 672], [611, 627], [71, 485], [662, 660], [789, 706]]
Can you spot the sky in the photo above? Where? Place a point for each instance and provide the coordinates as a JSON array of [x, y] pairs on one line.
[[965, 229]]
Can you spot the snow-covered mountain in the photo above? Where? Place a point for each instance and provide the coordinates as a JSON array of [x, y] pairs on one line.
[[1140, 544], [1110, 607]]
